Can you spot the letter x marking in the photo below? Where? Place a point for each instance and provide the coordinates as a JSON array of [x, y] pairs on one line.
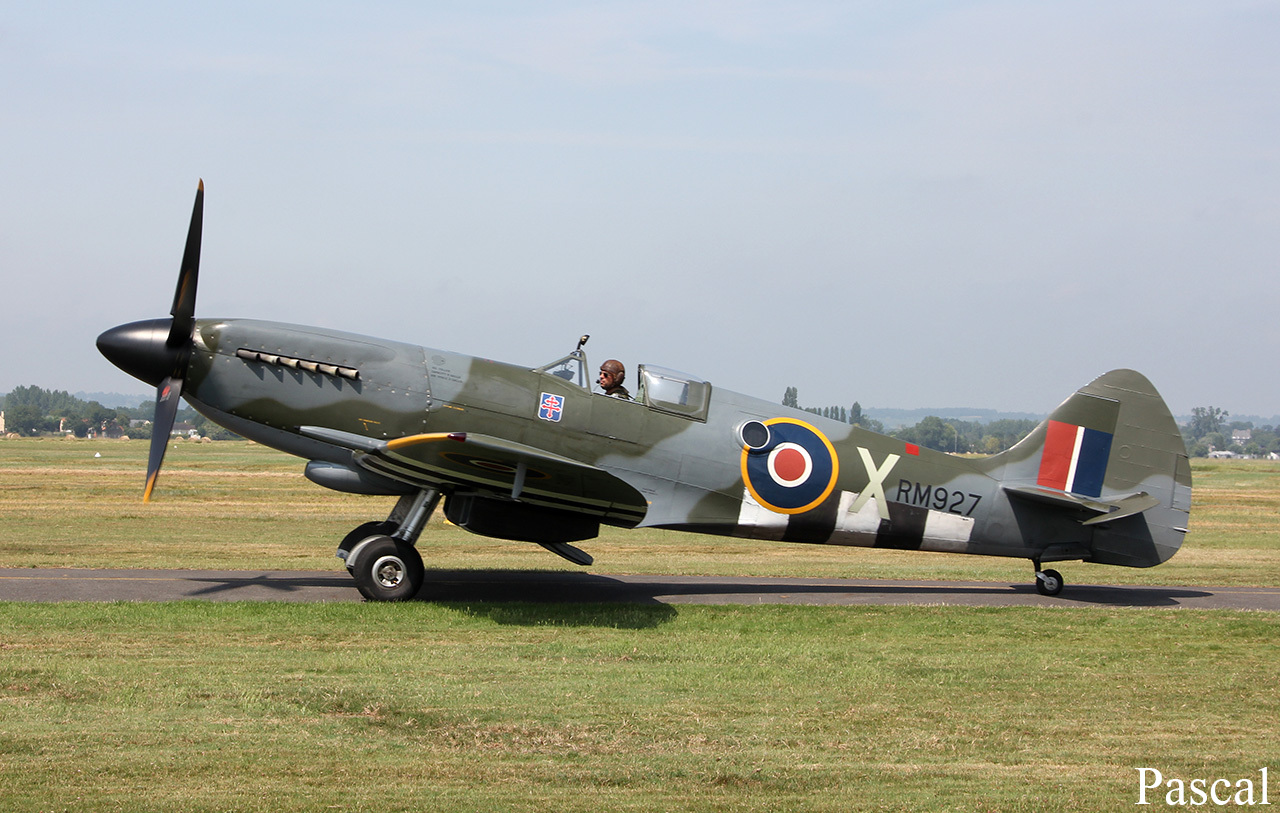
[[875, 483]]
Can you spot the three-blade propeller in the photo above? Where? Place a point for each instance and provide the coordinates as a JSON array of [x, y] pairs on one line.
[[178, 346]]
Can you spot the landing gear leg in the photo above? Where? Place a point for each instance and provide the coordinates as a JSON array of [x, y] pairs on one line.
[[413, 512], [381, 555], [1048, 582]]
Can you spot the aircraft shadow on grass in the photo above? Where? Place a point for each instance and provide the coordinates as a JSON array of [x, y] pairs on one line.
[[559, 587], [641, 602]]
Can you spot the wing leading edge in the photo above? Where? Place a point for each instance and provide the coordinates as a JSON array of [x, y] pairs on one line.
[[475, 463]]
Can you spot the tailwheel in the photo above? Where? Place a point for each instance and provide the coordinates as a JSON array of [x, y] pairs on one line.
[[1049, 582], [387, 569]]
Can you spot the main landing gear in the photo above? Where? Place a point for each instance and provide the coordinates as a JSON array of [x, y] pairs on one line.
[[381, 555], [1048, 582]]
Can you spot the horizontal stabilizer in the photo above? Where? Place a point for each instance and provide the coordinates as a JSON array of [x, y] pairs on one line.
[[1127, 507], [1108, 510]]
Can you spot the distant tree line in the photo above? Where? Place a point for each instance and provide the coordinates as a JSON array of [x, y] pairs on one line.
[[1209, 430], [852, 415], [34, 411], [957, 436], [944, 435]]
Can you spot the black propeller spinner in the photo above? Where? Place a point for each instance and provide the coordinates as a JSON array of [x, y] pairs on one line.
[[158, 350]]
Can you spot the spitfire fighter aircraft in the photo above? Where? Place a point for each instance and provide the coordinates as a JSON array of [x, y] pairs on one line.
[[532, 454]]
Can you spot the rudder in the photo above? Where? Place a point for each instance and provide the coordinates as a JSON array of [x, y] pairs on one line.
[[1112, 457]]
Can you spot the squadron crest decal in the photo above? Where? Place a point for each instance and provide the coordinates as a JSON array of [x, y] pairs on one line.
[[788, 466], [550, 407]]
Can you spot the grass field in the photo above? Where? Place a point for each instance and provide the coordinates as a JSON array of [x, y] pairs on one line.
[[242, 506], [202, 706]]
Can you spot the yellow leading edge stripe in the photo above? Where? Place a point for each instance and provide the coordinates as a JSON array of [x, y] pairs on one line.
[[414, 440]]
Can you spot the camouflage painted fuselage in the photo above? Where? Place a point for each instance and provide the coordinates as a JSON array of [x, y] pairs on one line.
[[1105, 479]]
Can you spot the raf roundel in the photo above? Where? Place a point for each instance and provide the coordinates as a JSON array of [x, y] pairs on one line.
[[790, 465], [795, 471]]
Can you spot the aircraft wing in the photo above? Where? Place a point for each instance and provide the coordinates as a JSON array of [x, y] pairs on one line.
[[487, 464], [1108, 510]]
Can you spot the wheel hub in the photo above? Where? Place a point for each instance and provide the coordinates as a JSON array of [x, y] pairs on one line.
[[390, 571]]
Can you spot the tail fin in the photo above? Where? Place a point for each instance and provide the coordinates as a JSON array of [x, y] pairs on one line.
[[1111, 457]]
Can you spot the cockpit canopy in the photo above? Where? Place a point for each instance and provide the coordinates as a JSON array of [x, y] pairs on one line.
[[658, 388], [571, 368], [674, 392]]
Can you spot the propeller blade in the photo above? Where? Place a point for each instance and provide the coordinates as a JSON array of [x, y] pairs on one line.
[[184, 298], [168, 397], [178, 345]]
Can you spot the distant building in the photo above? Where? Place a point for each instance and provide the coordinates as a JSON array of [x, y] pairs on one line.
[[1241, 436], [185, 430]]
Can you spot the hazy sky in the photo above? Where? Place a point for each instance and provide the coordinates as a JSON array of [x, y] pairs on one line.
[[905, 204]]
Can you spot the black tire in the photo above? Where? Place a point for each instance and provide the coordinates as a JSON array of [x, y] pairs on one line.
[[388, 570], [363, 532], [1049, 582]]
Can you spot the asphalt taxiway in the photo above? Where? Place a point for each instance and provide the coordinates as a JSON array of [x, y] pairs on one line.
[[47, 585]]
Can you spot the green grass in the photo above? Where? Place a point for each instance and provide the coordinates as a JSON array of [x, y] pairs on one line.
[[202, 706], [504, 706], [235, 505]]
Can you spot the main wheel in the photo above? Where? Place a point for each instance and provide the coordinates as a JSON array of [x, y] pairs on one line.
[[388, 570], [361, 533], [1049, 582]]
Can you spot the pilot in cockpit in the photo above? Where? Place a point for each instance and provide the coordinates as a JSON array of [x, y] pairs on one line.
[[612, 374]]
